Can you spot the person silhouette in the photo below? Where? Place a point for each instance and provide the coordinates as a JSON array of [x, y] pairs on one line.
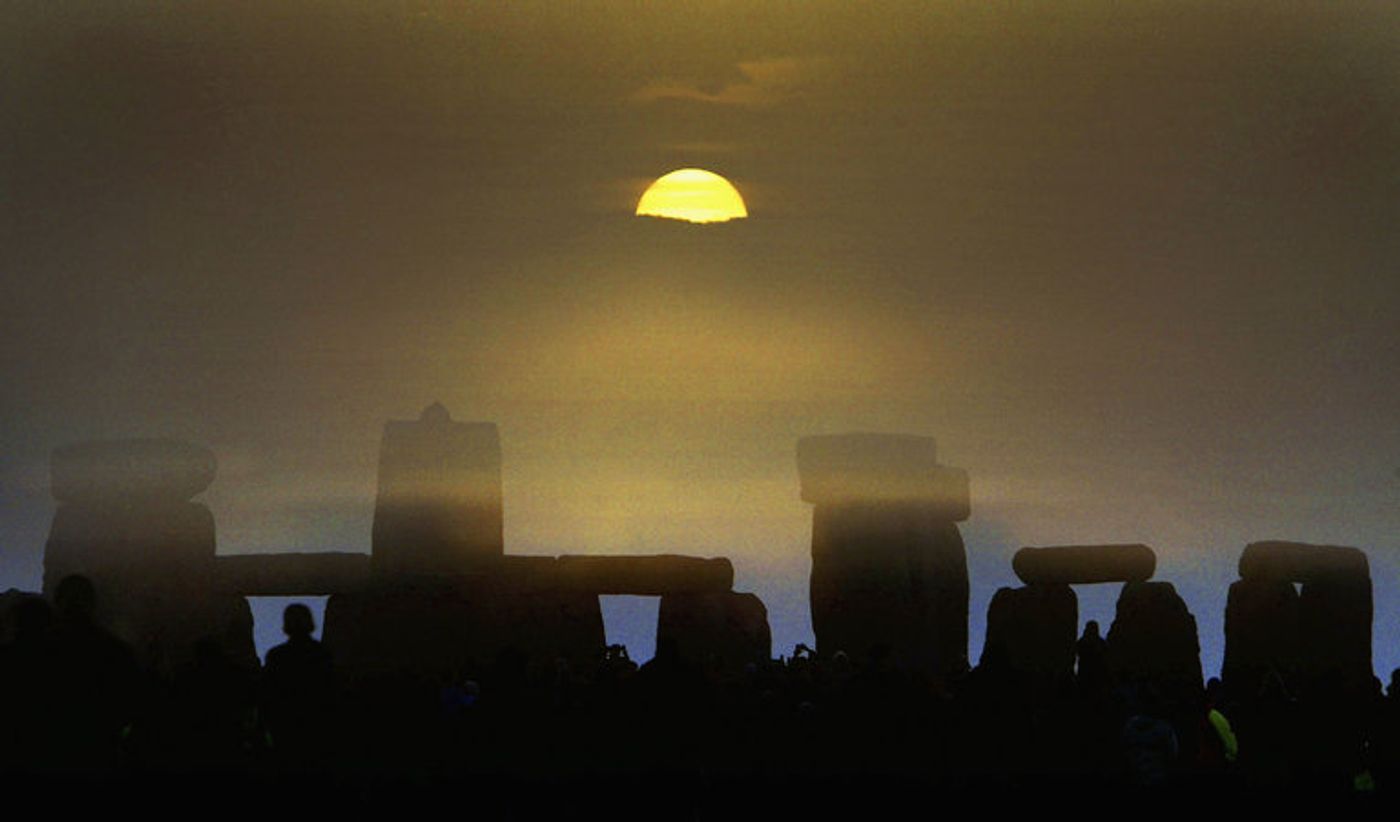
[[298, 691], [95, 682], [1092, 653]]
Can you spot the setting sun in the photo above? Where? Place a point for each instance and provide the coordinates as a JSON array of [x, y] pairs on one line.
[[693, 195]]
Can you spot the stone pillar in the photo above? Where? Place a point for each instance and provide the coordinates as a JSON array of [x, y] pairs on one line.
[[1031, 633], [889, 569], [1322, 632], [438, 510], [125, 521], [1154, 639], [1261, 634]]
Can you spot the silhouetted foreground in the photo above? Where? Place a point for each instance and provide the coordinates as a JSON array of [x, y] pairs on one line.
[[75, 703], [448, 663]]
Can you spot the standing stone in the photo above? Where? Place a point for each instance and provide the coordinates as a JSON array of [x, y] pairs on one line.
[[889, 569], [1154, 639], [1321, 633], [1334, 629], [1261, 634], [438, 511], [125, 521], [1031, 633], [890, 575], [716, 630]]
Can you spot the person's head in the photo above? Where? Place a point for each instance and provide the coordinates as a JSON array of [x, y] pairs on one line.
[[1091, 629], [297, 621]]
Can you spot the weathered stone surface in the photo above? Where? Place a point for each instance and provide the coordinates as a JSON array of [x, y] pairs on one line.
[[1154, 639], [438, 511], [1031, 632], [869, 467], [1300, 562], [448, 630], [1084, 564], [1261, 633], [103, 469], [893, 575], [716, 630], [655, 575], [301, 574]]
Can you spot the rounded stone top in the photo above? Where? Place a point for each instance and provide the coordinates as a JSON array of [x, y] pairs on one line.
[[435, 413], [1301, 562], [1084, 564]]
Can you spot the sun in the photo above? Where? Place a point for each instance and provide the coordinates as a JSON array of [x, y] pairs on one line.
[[694, 195]]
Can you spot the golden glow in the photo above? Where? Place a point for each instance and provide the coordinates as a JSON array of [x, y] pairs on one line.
[[693, 195]]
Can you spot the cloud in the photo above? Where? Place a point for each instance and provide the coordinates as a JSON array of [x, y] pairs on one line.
[[766, 82]]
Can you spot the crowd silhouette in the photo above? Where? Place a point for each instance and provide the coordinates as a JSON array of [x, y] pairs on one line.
[[76, 703]]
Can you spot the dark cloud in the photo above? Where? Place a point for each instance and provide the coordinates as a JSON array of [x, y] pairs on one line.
[[766, 82]]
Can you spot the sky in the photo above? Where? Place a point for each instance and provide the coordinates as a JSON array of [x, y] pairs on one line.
[[1133, 266]]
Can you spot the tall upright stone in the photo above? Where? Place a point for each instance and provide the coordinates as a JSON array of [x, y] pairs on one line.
[[125, 520], [442, 597], [1154, 639], [889, 569], [438, 511], [1261, 633], [1031, 633], [1319, 633]]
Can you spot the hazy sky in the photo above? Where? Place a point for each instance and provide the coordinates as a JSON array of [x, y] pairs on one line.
[[1134, 266]]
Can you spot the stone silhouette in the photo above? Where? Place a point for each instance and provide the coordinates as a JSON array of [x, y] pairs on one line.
[[722, 630], [292, 574], [1031, 633], [544, 607], [1153, 639], [1324, 630], [1084, 564], [441, 595], [888, 563], [1031, 630], [439, 509], [126, 522], [642, 575]]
